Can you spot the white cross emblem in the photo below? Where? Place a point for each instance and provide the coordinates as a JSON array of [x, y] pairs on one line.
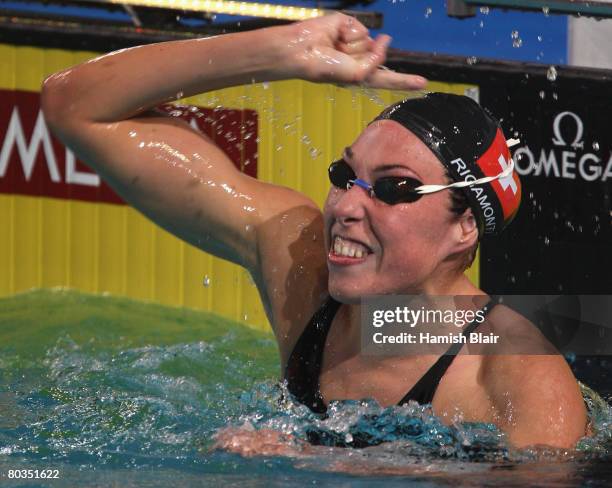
[[506, 181]]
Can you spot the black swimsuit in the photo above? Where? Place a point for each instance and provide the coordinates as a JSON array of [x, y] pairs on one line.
[[304, 364]]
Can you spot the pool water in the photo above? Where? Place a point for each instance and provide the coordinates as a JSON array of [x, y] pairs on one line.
[[114, 392]]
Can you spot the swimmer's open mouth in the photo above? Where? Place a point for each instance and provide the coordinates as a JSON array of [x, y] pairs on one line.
[[343, 246]]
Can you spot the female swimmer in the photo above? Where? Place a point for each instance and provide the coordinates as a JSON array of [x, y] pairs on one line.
[[375, 235]]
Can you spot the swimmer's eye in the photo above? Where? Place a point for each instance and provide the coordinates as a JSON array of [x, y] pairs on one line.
[[389, 189], [396, 189], [341, 174]]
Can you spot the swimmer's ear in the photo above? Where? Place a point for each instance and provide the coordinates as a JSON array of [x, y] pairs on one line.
[[468, 229]]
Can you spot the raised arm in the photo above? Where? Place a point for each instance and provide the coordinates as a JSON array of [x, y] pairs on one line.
[[174, 175], [104, 110]]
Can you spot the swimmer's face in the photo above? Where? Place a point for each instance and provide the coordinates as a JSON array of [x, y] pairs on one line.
[[401, 246]]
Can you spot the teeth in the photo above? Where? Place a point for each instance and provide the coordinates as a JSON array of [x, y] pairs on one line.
[[348, 248], [337, 247]]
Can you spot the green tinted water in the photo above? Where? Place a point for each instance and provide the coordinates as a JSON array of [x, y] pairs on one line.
[[113, 392]]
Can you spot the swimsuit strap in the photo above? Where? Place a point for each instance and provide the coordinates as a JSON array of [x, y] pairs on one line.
[[304, 365], [424, 390]]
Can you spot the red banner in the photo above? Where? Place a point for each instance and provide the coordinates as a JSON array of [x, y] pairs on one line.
[[33, 162]]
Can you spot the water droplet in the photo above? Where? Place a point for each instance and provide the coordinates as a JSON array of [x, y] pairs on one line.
[[314, 152], [551, 74], [545, 10], [428, 12], [555, 96], [546, 241], [348, 438], [132, 133], [265, 85], [206, 281], [179, 95], [246, 317], [248, 227], [512, 279], [540, 38], [456, 129], [484, 10], [472, 60], [278, 148], [596, 146], [481, 24], [542, 94], [142, 144]]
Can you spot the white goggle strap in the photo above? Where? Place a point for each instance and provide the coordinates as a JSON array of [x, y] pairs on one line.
[[423, 189]]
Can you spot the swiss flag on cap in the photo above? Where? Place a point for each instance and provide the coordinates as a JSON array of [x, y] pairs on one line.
[[507, 189]]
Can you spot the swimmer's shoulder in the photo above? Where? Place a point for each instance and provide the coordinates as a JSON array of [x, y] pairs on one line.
[[535, 399]]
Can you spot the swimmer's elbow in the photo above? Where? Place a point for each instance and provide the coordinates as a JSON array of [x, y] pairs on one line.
[[54, 102], [61, 105]]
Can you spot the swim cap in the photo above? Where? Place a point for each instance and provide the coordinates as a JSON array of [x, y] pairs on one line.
[[470, 144]]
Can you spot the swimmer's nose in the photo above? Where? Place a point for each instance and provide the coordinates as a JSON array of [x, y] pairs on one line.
[[350, 207]]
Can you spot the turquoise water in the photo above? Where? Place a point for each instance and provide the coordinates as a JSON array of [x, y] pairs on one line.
[[113, 392]]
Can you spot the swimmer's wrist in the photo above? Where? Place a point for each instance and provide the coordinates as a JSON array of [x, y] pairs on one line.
[[267, 53], [284, 61]]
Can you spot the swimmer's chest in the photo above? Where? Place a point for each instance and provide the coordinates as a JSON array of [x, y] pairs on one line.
[[387, 380]]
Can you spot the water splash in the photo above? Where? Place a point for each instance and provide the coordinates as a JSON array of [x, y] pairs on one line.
[[93, 383], [516, 40]]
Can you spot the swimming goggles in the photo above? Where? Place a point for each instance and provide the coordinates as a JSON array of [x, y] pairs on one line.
[[400, 189]]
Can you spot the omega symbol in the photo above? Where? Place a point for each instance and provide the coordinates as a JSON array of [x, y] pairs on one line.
[[558, 139]]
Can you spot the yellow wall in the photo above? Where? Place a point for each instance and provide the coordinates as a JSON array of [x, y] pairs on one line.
[[94, 247]]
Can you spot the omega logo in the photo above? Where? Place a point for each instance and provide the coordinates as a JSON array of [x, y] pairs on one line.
[[558, 140], [566, 159]]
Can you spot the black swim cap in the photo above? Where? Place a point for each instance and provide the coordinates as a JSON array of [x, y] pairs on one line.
[[470, 144]]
